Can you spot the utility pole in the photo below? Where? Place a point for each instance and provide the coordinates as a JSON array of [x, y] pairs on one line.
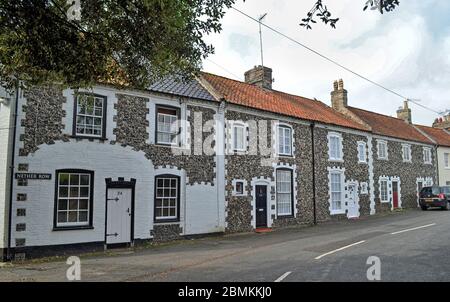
[[260, 37]]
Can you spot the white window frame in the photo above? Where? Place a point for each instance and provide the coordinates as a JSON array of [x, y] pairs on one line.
[[281, 144], [406, 153], [332, 191], [382, 181], [429, 160], [383, 143], [244, 185], [70, 198], [364, 159], [447, 160], [85, 126], [289, 192], [176, 133], [177, 197], [339, 154], [243, 137], [364, 188]]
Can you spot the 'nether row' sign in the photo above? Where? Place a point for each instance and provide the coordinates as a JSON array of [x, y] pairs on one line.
[[38, 176]]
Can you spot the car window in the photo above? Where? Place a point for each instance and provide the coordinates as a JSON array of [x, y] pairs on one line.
[[436, 191], [446, 190], [426, 190]]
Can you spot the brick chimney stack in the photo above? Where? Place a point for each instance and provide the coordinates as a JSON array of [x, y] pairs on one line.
[[404, 113], [260, 76], [339, 100]]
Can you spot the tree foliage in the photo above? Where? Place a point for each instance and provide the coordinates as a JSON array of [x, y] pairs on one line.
[[132, 42], [321, 11]]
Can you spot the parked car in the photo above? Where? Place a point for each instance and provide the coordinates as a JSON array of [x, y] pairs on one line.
[[435, 197]]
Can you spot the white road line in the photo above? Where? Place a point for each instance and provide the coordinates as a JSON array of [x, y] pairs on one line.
[[413, 229], [339, 249], [283, 277]]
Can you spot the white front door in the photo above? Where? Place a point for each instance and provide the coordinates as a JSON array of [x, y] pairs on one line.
[[352, 201], [118, 224]]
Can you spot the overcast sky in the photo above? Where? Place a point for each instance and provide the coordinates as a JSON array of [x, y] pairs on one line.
[[407, 50]]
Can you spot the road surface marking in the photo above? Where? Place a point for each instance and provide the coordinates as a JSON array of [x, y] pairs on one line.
[[283, 277], [339, 249], [413, 229]]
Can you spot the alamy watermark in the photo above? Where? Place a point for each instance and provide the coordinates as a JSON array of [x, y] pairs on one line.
[[73, 273], [74, 10], [268, 139], [374, 271]]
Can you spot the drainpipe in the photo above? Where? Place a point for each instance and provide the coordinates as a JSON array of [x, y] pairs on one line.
[[436, 154], [11, 185], [313, 172]]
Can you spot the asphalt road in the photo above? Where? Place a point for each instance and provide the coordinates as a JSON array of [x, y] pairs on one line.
[[410, 246]]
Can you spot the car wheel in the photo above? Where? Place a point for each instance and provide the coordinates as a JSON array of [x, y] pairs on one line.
[[424, 208]]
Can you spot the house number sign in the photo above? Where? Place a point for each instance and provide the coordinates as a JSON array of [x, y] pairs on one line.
[[38, 176]]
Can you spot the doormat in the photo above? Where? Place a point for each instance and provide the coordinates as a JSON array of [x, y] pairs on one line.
[[263, 230]]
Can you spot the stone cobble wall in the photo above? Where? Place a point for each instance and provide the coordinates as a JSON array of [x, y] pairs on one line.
[[248, 167], [43, 118], [353, 171], [408, 172], [132, 120]]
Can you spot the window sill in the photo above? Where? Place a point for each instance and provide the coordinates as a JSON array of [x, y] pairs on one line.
[[285, 155], [338, 160], [239, 195], [285, 216], [362, 162], [337, 212], [72, 228], [163, 221], [89, 137], [384, 158]]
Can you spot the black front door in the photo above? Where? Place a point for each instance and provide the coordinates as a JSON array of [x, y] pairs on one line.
[[261, 206]]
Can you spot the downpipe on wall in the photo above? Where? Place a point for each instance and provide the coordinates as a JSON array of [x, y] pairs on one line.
[[313, 171], [11, 184]]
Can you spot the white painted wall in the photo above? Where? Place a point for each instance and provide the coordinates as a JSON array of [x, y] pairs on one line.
[[444, 172], [107, 161], [202, 210], [6, 133]]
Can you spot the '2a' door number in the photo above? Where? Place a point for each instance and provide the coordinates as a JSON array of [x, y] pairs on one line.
[[119, 193]]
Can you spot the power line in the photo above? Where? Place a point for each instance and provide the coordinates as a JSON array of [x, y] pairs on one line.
[[334, 61], [224, 69]]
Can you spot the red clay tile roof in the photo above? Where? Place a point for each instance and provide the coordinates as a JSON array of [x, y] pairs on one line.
[[248, 95], [390, 126], [441, 137]]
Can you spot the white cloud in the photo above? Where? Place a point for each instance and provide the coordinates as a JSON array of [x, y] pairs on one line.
[[401, 50]]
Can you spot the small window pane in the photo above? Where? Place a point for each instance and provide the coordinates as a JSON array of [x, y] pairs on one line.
[[62, 204], [83, 216], [62, 217], [83, 204], [73, 216], [63, 179]]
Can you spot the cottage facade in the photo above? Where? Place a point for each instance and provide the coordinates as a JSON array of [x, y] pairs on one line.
[[441, 138], [100, 167]]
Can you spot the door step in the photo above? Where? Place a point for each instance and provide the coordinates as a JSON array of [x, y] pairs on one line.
[[263, 230]]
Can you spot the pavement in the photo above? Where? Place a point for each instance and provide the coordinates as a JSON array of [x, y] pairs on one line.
[[406, 246]]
